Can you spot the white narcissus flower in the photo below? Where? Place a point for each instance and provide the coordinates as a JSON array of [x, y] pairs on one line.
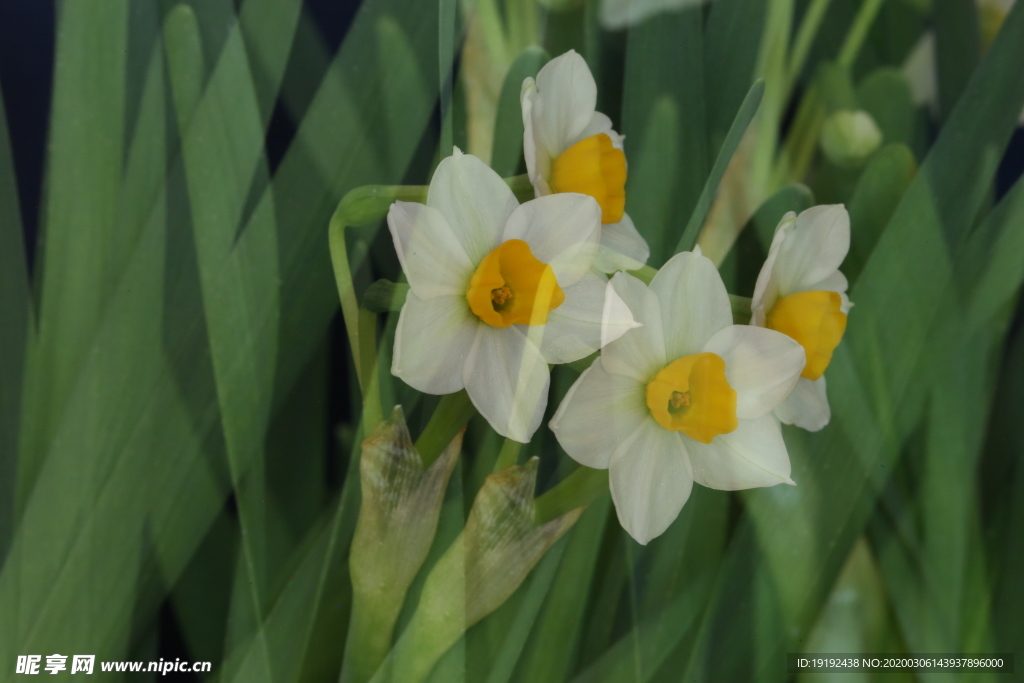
[[801, 293], [688, 397], [497, 291], [571, 147]]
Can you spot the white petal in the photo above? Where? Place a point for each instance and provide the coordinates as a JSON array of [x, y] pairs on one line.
[[622, 247], [650, 480], [751, 456], [566, 102], [814, 249], [475, 201], [760, 364], [694, 303], [599, 123], [507, 379], [431, 256], [598, 414], [432, 340], [766, 290], [836, 282], [592, 316], [563, 230], [639, 353], [535, 151], [806, 406]]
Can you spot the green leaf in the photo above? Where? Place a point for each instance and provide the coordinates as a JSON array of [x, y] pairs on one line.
[[507, 152], [83, 189], [555, 637], [238, 282], [957, 49], [184, 60], [664, 113], [886, 96], [732, 41], [15, 329], [876, 196], [732, 141]]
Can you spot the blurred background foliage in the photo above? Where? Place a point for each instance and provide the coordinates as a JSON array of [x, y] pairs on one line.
[[179, 412]]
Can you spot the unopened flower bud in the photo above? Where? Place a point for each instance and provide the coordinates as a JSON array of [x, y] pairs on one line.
[[848, 138]]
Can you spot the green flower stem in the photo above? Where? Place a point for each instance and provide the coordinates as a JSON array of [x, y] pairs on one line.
[[796, 156], [450, 416], [805, 36], [644, 274], [362, 206], [582, 487], [772, 67], [508, 456], [741, 312], [370, 630], [521, 186], [858, 32]]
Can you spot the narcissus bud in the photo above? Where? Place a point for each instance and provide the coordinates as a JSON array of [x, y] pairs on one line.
[[849, 137]]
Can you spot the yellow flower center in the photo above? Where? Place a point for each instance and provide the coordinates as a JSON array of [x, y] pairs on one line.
[[594, 167], [691, 395], [511, 287], [815, 321]]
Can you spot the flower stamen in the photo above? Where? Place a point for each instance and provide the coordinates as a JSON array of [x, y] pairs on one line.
[[692, 395], [679, 400], [512, 287], [499, 296]]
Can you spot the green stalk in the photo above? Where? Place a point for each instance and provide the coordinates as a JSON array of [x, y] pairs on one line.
[[582, 487], [450, 416], [362, 206], [804, 39], [802, 141], [858, 32], [772, 66], [508, 456]]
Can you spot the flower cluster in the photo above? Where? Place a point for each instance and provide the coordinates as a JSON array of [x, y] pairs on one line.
[[679, 394]]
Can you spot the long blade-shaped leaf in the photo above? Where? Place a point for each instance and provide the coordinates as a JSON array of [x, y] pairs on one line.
[[15, 328], [86, 143]]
